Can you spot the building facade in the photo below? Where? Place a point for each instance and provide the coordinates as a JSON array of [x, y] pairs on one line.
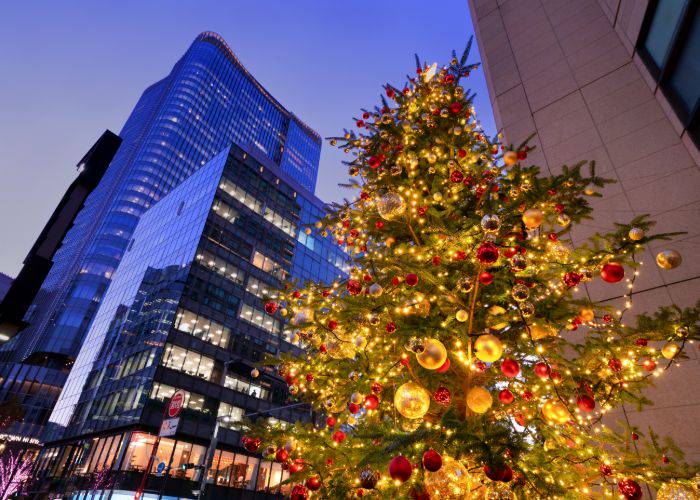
[[208, 101], [185, 310], [615, 81]]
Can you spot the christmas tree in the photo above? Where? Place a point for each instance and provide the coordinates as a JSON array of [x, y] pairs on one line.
[[462, 358]]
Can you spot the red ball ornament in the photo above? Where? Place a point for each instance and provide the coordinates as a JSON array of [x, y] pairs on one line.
[[615, 365], [390, 327], [542, 370], [353, 408], [634, 436], [313, 483], [374, 162], [510, 367], [629, 489], [354, 287], [360, 123], [271, 307], [486, 278], [282, 455], [251, 444], [379, 224], [461, 153], [395, 281], [585, 403], [437, 260], [338, 436], [332, 325], [299, 492], [509, 252], [445, 366], [487, 253], [371, 401], [443, 395], [309, 377], [296, 294], [527, 395], [480, 366], [498, 472], [330, 421], [456, 176], [605, 469], [367, 278], [376, 387], [506, 397], [411, 279], [296, 466], [400, 468], [572, 279], [649, 365], [432, 461], [322, 348], [456, 106], [612, 272], [641, 342]]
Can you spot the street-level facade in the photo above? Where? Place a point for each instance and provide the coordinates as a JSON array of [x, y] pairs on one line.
[[185, 311]]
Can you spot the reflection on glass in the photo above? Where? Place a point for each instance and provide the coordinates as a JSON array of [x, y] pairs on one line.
[[658, 40]]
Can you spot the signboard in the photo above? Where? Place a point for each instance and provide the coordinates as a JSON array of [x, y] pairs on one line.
[[160, 468], [176, 404], [169, 427]]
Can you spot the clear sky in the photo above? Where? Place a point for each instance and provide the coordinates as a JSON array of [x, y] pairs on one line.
[[74, 68]]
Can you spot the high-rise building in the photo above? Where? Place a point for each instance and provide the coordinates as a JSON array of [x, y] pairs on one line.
[[208, 101], [615, 81], [186, 311]]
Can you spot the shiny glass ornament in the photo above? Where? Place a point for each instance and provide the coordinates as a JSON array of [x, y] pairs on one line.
[[390, 206], [518, 263], [433, 355], [670, 350], [415, 345], [556, 412], [488, 348], [636, 234], [532, 218], [411, 400], [668, 259], [479, 400], [462, 315], [510, 158], [520, 292], [375, 290], [527, 309], [465, 284], [563, 220], [451, 482], [560, 252], [490, 223], [395, 169], [675, 491], [431, 157]]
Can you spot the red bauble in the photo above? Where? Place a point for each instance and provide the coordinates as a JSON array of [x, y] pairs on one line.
[[367, 278], [338, 436], [480, 366], [630, 489], [456, 176], [379, 224], [353, 408], [432, 461], [371, 401], [461, 153], [376, 387], [555, 376], [641, 342], [374, 162], [486, 278], [282, 455], [411, 279], [313, 483], [400, 468], [296, 466], [506, 397], [330, 421], [605, 469], [271, 307], [634, 436], [299, 492], [498, 472], [585, 402], [615, 364], [354, 287], [487, 253], [309, 377], [390, 327], [456, 106], [612, 272], [296, 294], [360, 123], [509, 252], [649, 365], [332, 325], [251, 444], [527, 395], [542, 370], [572, 279], [445, 366], [510, 367], [443, 395]]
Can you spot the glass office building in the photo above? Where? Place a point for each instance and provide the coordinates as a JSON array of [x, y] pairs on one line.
[[188, 297], [208, 101]]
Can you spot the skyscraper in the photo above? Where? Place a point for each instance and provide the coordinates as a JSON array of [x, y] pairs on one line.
[[207, 101], [186, 311]]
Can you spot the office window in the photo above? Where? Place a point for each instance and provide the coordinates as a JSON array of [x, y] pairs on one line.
[[260, 319], [260, 289], [268, 265], [190, 362], [669, 45], [202, 328]]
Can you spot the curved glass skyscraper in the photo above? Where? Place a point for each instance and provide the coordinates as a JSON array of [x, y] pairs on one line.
[[208, 101]]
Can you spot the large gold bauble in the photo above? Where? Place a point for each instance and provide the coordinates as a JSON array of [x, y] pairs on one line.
[[390, 206], [670, 350], [338, 348], [532, 218], [675, 491], [411, 400], [669, 259], [479, 400], [538, 332], [462, 315], [488, 348], [510, 158], [556, 412], [451, 482], [499, 491], [433, 355]]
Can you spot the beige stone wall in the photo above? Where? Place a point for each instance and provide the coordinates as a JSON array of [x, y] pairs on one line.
[[566, 70]]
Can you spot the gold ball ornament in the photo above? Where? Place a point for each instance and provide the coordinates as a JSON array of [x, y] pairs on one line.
[[676, 491], [479, 400], [532, 218], [499, 491], [375, 290], [488, 348], [462, 315], [451, 482], [636, 233], [390, 206], [669, 259], [433, 355], [411, 400], [510, 158], [556, 412], [670, 350], [587, 314]]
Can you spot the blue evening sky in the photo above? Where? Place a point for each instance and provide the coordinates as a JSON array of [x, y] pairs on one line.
[[71, 69]]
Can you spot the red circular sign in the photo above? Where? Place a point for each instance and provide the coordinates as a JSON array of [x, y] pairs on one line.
[[176, 403]]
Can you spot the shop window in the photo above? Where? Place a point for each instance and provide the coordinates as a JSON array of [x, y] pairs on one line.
[[138, 451]]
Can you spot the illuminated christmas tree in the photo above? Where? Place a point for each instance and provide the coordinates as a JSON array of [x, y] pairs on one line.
[[462, 358]]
